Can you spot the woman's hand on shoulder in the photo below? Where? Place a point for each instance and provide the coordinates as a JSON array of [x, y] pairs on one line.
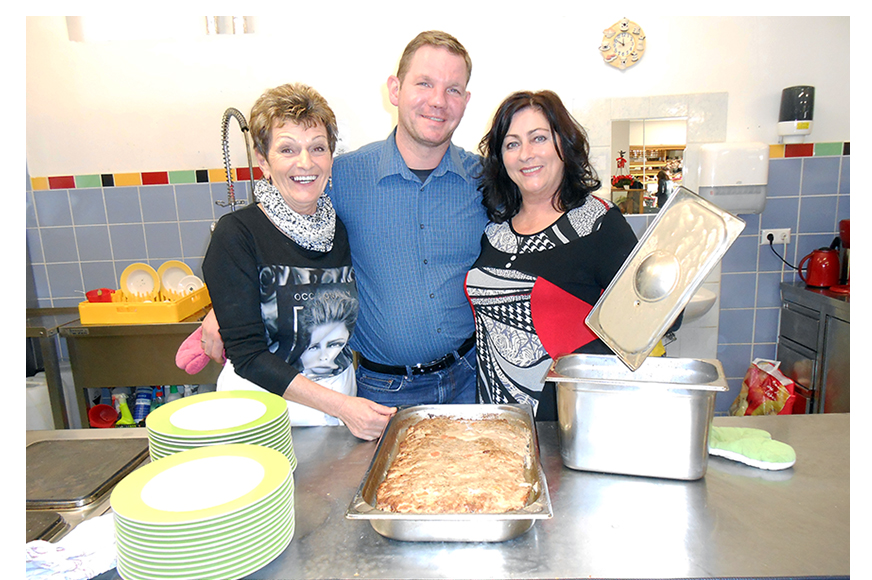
[[364, 418]]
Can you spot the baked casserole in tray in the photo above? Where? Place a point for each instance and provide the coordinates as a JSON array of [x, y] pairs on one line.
[[453, 518]]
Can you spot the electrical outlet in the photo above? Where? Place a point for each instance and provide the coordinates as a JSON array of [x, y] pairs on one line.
[[780, 236]]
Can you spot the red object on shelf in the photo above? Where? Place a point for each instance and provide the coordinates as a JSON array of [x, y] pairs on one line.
[[99, 295], [102, 416]]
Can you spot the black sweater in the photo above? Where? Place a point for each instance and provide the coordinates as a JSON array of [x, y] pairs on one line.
[[261, 282]]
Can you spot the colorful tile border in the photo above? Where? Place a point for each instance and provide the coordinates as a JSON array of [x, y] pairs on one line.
[[242, 173], [809, 149], [143, 178]]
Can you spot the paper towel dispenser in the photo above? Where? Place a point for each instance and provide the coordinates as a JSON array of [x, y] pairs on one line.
[[733, 176]]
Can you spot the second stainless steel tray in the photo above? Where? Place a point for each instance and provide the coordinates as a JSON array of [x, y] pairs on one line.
[[449, 527]]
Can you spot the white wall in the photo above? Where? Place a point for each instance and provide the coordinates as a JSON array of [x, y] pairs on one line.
[[658, 132], [141, 105]]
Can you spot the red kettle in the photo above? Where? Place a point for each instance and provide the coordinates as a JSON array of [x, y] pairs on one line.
[[822, 270]]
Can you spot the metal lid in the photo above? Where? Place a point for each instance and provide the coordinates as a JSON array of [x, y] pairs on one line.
[[671, 261], [73, 473]]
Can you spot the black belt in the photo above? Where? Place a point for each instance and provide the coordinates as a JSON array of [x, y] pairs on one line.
[[419, 369]]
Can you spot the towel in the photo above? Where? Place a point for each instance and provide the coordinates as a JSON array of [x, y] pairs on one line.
[[86, 552], [190, 356], [754, 447]]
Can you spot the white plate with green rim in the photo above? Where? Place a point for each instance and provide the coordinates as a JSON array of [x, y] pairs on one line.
[[265, 511], [167, 553], [281, 425], [216, 413], [284, 497], [240, 571], [278, 424], [248, 555], [282, 438], [181, 488], [284, 502], [276, 431], [175, 545], [241, 563], [286, 448], [206, 556]]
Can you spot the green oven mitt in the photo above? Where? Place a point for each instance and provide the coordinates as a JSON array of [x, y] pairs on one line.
[[753, 447]]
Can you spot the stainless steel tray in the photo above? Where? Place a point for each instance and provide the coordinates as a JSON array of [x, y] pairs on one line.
[[449, 527], [68, 474], [686, 241]]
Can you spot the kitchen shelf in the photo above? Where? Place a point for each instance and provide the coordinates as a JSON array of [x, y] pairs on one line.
[[656, 158], [130, 355]]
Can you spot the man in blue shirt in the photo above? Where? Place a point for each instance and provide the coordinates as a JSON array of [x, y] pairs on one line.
[[414, 219]]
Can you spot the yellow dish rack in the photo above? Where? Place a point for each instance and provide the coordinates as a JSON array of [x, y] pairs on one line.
[[124, 309], [149, 297]]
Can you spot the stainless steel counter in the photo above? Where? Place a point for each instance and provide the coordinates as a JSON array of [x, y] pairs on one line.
[[735, 522]]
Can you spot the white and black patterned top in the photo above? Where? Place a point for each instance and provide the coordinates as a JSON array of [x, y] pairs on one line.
[[531, 293]]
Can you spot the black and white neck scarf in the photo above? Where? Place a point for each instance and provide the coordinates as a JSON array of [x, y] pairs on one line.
[[312, 232]]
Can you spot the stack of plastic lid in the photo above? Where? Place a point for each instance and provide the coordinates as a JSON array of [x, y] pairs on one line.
[[220, 418], [221, 511]]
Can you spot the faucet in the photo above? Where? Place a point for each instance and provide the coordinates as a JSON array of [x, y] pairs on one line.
[[232, 202]]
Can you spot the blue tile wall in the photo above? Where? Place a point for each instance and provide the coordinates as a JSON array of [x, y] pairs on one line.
[[809, 195], [84, 238], [81, 239]]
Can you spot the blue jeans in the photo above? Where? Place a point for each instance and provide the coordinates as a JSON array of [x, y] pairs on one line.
[[456, 384]]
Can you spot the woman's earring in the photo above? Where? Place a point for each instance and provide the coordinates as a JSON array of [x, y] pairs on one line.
[[330, 182]]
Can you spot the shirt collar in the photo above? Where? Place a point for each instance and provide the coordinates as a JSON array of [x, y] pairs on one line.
[[392, 163]]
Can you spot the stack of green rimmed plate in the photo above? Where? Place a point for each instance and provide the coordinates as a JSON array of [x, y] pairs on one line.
[[219, 418], [222, 511]]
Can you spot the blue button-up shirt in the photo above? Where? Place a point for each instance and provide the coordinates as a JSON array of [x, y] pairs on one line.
[[412, 244]]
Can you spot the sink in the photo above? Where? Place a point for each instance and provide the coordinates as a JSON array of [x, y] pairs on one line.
[[699, 304]]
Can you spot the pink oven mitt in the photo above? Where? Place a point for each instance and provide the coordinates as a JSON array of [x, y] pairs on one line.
[[190, 356]]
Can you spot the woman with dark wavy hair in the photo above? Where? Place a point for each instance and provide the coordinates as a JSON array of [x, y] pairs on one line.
[[502, 196], [548, 253]]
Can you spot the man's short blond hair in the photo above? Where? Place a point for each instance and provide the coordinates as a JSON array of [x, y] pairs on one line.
[[435, 38]]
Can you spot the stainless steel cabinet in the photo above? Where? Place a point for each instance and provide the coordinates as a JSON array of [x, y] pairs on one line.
[[814, 347]]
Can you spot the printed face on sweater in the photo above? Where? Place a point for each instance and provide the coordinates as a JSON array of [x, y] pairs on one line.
[[299, 164], [327, 341]]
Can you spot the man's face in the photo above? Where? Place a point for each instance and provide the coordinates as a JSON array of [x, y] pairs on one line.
[[432, 97]]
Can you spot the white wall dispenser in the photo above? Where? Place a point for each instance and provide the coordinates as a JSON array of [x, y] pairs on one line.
[[733, 176]]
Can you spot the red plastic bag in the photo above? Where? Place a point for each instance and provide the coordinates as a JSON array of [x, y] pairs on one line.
[[765, 391]]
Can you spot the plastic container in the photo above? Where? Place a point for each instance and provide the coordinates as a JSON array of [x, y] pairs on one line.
[[102, 416], [141, 405], [125, 417], [158, 399], [173, 394]]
